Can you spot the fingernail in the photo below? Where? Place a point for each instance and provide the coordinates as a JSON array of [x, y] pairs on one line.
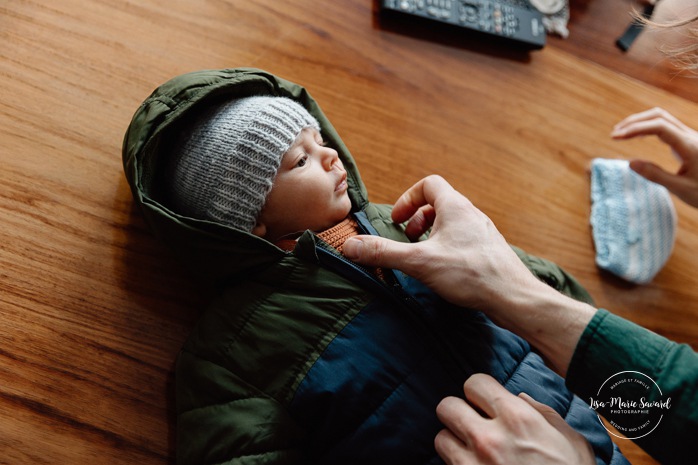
[[352, 248]]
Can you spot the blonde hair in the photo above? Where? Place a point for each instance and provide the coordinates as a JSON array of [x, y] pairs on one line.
[[685, 56]]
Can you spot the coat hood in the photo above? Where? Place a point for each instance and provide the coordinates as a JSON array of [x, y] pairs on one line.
[[211, 250]]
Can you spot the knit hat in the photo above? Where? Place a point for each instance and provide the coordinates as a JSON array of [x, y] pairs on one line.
[[633, 221], [223, 168]]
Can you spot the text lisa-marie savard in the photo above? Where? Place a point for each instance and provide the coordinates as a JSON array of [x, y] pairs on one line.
[[620, 403]]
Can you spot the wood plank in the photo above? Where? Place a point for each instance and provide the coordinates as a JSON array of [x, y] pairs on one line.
[[596, 25], [94, 310]]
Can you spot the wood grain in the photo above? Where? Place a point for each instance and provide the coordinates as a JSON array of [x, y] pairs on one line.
[[595, 25], [94, 310]]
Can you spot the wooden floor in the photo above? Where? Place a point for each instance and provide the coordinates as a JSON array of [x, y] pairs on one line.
[[93, 310]]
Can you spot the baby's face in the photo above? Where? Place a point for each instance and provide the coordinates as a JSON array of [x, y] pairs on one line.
[[309, 192]]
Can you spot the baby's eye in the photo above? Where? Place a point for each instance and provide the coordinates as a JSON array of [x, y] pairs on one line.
[[302, 161]]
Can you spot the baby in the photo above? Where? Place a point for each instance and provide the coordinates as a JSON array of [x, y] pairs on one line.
[[303, 356], [259, 164]]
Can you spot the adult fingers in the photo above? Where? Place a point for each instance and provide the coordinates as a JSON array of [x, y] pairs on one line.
[[420, 222], [382, 252], [427, 191], [654, 113], [451, 449], [460, 418], [667, 131], [485, 393], [677, 184]]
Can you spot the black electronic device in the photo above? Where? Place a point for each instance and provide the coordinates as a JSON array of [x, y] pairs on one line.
[[506, 20]]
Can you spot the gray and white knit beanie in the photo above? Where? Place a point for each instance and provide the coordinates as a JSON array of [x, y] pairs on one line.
[[224, 167]]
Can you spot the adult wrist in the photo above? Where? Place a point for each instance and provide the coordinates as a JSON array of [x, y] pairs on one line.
[[550, 321]]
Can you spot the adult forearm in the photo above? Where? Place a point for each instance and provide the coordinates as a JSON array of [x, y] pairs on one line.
[[550, 321]]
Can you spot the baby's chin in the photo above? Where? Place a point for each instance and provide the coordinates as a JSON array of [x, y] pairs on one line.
[[346, 207], [341, 216], [347, 200]]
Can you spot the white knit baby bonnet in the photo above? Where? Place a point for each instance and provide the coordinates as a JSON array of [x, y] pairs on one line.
[[633, 221]]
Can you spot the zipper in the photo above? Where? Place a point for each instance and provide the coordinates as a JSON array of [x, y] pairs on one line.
[[391, 287], [394, 292], [335, 261]]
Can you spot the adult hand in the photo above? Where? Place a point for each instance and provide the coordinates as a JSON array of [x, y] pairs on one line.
[[514, 430], [682, 139], [466, 260]]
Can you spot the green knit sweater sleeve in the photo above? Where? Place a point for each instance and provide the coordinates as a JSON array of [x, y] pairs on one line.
[[611, 345]]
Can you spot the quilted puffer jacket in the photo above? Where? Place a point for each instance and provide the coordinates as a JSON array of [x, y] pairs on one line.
[[303, 357]]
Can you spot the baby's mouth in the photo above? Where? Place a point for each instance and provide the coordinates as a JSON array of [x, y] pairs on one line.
[[342, 184]]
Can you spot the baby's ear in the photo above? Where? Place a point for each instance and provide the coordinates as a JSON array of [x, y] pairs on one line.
[[259, 230]]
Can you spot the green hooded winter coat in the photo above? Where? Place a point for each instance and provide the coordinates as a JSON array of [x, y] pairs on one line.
[[302, 356]]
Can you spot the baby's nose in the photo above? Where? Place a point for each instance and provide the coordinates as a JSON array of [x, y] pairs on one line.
[[330, 157]]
